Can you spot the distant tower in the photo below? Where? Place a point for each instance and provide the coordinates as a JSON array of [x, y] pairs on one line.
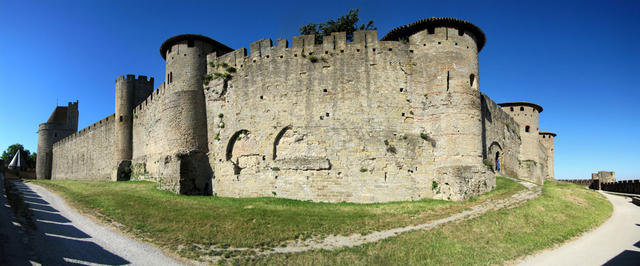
[[62, 123], [185, 105], [547, 139], [527, 115], [445, 51], [130, 92]]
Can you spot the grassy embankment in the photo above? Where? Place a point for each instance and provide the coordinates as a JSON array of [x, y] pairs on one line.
[[174, 221], [562, 211]]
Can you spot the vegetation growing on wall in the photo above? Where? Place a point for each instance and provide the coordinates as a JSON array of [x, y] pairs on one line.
[[345, 23]]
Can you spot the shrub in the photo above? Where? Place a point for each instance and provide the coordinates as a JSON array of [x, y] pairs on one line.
[[488, 164], [392, 149], [313, 59], [362, 170]]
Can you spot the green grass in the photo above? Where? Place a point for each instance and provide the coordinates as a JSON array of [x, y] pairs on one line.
[[562, 211], [174, 221]]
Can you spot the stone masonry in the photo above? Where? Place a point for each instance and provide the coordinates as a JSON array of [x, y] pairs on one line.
[[368, 120]]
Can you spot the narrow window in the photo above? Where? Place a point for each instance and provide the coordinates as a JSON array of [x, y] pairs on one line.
[[511, 108], [526, 129], [472, 77], [55, 135], [190, 43], [521, 108], [447, 80], [431, 30], [120, 118]]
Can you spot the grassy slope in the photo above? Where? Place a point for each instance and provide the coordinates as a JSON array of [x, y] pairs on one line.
[[171, 220], [562, 211]]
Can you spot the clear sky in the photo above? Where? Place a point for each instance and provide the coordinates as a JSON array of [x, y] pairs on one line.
[[579, 60]]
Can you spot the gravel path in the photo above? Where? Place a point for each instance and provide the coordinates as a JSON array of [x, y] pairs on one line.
[[616, 242], [64, 236], [334, 242]]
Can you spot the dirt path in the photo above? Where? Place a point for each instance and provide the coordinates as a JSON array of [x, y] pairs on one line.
[[64, 236], [334, 242], [616, 242]]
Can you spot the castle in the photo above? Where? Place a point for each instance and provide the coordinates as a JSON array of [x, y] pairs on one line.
[[367, 120]]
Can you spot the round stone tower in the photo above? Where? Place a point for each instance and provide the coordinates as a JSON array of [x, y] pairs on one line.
[[527, 115], [444, 68], [129, 93], [45, 144], [62, 123], [186, 66], [547, 139]]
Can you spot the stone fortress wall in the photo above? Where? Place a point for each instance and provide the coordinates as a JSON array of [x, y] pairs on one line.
[[547, 140], [87, 154], [536, 151], [401, 118], [501, 138], [390, 120], [62, 123]]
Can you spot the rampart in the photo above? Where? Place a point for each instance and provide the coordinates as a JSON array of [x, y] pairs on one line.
[[62, 123], [368, 120], [582, 182], [623, 186], [153, 155], [361, 121], [535, 155], [501, 139], [87, 154]]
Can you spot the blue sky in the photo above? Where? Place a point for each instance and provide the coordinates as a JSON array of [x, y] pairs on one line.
[[578, 59]]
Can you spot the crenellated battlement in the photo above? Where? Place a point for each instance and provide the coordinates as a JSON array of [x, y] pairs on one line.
[[101, 123], [141, 78], [362, 120], [153, 98], [365, 43]]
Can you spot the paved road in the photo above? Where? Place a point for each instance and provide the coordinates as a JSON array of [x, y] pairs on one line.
[[616, 242], [63, 236]]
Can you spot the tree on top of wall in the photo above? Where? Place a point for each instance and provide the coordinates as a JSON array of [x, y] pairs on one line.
[[346, 23]]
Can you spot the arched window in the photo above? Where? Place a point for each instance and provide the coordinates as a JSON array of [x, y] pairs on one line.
[[526, 129], [521, 108], [511, 108]]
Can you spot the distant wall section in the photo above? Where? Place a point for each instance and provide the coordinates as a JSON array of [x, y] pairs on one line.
[[500, 139], [87, 154]]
